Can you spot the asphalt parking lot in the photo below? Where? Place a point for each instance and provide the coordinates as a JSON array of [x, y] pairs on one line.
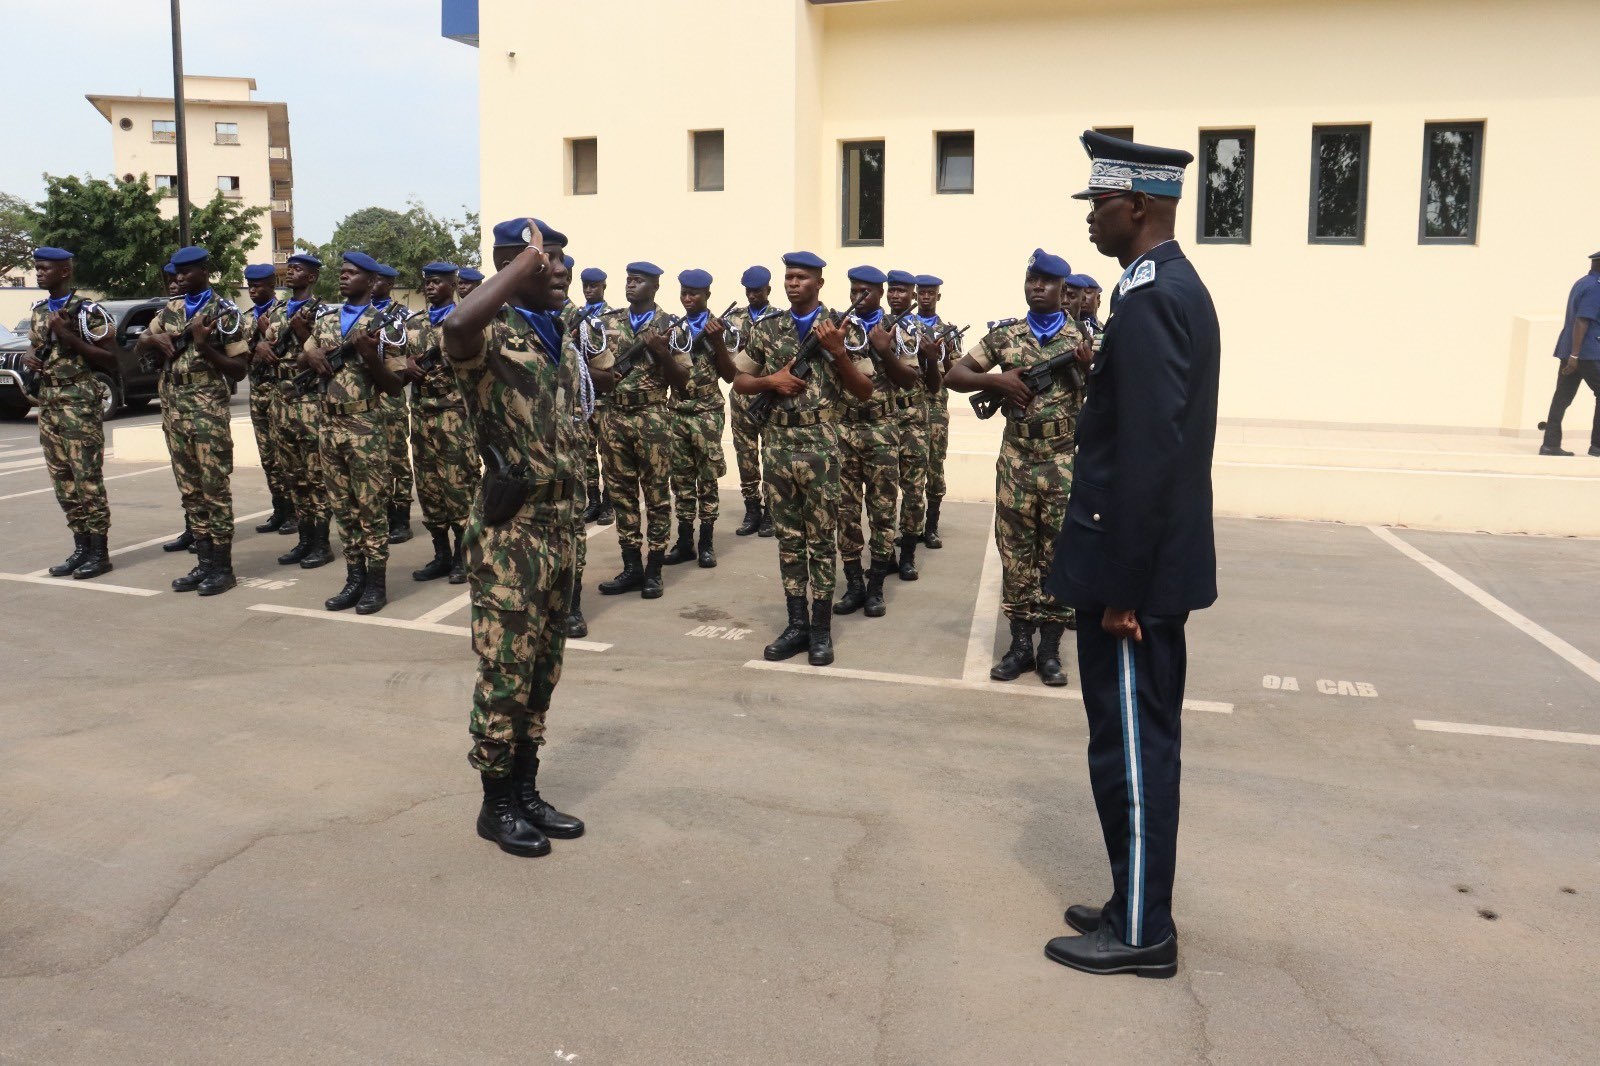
[[241, 828]]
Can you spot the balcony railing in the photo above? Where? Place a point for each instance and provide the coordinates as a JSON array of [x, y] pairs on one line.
[[227, 138], [280, 258], [164, 137], [278, 151], [283, 205]]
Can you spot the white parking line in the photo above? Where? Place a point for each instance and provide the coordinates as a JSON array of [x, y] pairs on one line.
[[417, 625], [1011, 688], [21, 466], [447, 608], [1552, 735], [113, 477], [1494, 606], [71, 583], [125, 549], [985, 614]]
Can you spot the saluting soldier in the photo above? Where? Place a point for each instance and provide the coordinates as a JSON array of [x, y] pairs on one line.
[[72, 338], [504, 343], [261, 281], [757, 282], [357, 353], [201, 341], [469, 278], [396, 423], [297, 413], [1137, 553], [445, 464], [800, 448], [598, 506], [698, 419], [912, 399], [937, 354], [1034, 470]]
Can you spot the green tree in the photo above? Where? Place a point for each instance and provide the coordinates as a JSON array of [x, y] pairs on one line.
[[406, 240], [229, 231], [17, 222]]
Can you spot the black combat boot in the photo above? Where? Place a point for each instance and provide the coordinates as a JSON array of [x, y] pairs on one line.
[[875, 607], [577, 625], [766, 529], [930, 528], [375, 593], [908, 557], [708, 552], [651, 588], [355, 577], [631, 578], [608, 513], [821, 647], [796, 637], [400, 522], [321, 553], [545, 818], [592, 511], [302, 547], [184, 541], [98, 561], [80, 552], [458, 561], [501, 820], [683, 550], [752, 519], [442, 560], [1018, 657], [219, 578], [291, 521], [280, 514], [191, 581], [1050, 669], [855, 589]]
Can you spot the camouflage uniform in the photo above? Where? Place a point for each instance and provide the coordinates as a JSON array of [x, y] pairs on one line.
[[636, 440], [520, 571], [938, 420], [746, 434], [869, 461], [266, 393], [1033, 473], [396, 420], [354, 444], [697, 424], [70, 430], [194, 417], [446, 465], [913, 452], [297, 424]]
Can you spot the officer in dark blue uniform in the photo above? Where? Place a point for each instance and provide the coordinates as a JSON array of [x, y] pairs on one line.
[[1136, 554], [1579, 351]]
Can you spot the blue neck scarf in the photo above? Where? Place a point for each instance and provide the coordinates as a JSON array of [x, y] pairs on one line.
[[295, 305], [1045, 327], [756, 315], [56, 305], [928, 320], [590, 310], [638, 322], [803, 323], [546, 328], [437, 315], [695, 324], [348, 315], [868, 321], [261, 309], [193, 304]]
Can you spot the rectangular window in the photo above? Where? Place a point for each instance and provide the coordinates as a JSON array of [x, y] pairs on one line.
[[1452, 172], [1121, 133], [166, 181], [164, 130], [1339, 184], [955, 153], [583, 158], [707, 147], [863, 192], [228, 185], [227, 133], [1227, 159]]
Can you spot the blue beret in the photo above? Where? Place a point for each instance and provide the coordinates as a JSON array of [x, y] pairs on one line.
[[471, 274], [929, 281], [260, 272], [1051, 266], [362, 261], [550, 234], [1123, 166], [439, 268], [804, 259], [513, 233], [189, 256], [1088, 282], [869, 274], [386, 271], [306, 259], [756, 277], [1074, 281], [591, 274], [648, 269], [568, 262], [901, 277], [695, 279], [168, 268], [51, 255]]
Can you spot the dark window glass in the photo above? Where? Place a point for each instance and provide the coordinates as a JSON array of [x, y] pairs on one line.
[[1339, 184], [863, 192], [585, 166], [708, 161], [1226, 164], [1121, 133], [1452, 161], [955, 162]]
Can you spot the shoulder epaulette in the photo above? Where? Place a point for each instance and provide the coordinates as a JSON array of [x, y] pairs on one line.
[[1143, 274], [38, 304], [1004, 323]]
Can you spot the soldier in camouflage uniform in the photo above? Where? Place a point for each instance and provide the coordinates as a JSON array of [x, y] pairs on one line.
[[369, 348], [284, 330], [1033, 474], [202, 342], [937, 355], [578, 344], [912, 398], [697, 423], [64, 359], [521, 398], [800, 447], [396, 425], [598, 508], [757, 282], [261, 280], [470, 278], [636, 435], [445, 463]]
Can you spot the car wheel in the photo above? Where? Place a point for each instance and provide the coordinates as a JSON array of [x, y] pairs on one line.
[[14, 412], [138, 403], [110, 396]]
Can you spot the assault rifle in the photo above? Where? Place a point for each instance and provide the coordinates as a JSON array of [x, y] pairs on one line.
[[280, 348], [635, 354], [309, 381], [760, 409], [987, 404]]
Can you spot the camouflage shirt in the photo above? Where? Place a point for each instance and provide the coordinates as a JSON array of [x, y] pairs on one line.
[[620, 336], [61, 365], [425, 343], [702, 391], [258, 329], [352, 383], [773, 342], [1012, 346], [231, 336], [274, 325]]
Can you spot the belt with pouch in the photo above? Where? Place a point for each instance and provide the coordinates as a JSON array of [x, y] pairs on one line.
[[638, 401], [1056, 427], [184, 379], [801, 419], [350, 407]]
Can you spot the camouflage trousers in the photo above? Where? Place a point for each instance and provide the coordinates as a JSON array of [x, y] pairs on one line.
[[74, 445], [299, 428], [697, 463], [938, 444], [746, 448], [582, 495], [356, 469], [520, 576], [447, 467], [396, 421], [913, 470], [635, 451], [1032, 480], [200, 441], [869, 472], [591, 455], [802, 466], [264, 396]]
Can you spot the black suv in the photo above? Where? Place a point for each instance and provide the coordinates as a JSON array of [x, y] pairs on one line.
[[133, 386]]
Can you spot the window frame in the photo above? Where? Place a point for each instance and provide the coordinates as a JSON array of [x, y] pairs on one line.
[[845, 240], [694, 161], [939, 188], [159, 136], [218, 134], [1248, 136], [1365, 130], [234, 193], [171, 184], [1480, 128], [572, 166]]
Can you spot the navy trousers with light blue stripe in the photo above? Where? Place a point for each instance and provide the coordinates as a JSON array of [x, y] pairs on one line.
[[1134, 697]]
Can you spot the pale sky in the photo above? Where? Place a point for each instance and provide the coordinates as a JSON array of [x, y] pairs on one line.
[[346, 68]]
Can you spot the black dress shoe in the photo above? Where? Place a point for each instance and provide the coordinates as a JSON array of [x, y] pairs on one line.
[[1550, 449], [1100, 952], [1083, 918], [1595, 451]]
